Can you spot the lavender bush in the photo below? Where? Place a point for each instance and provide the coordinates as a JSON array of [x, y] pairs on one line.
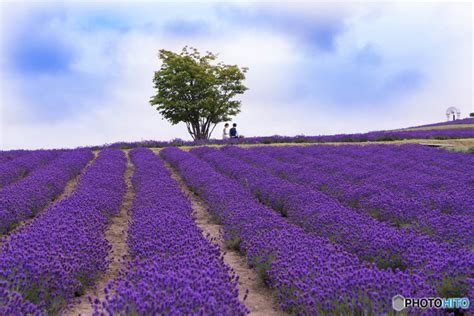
[[310, 274], [15, 169], [23, 199], [7, 155], [431, 196], [174, 269], [61, 252], [330, 229], [449, 270]]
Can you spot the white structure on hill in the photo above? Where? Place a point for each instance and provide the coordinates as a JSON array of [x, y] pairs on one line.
[[453, 112]]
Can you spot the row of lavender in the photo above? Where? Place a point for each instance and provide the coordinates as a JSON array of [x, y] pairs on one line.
[[423, 189], [7, 155], [24, 198], [455, 133], [57, 255], [173, 270], [310, 273], [449, 270], [19, 167]]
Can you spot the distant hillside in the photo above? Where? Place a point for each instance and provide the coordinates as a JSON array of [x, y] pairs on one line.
[[464, 123], [460, 129]]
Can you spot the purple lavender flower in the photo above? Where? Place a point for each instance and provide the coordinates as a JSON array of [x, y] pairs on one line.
[[58, 254], [310, 274], [174, 269]]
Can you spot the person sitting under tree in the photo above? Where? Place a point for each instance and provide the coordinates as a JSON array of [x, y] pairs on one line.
[[233, 131], [225, 132]]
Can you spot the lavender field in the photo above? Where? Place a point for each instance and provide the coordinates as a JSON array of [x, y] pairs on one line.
[[459, 129], [233, 158], [307, 230]]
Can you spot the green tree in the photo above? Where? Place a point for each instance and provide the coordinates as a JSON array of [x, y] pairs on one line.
[[197, 91]]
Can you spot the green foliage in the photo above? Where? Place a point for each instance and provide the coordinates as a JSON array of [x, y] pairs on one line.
[[263, 265], [233, 243], [453, 287], [375, 212], [81, 277], [35, 294], [393, 262], [32, 293], [279, 206], [384, 138], [215, 218], [193, 90]]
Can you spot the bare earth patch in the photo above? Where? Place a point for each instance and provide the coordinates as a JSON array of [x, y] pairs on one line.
[[260, 300], [116, 235]]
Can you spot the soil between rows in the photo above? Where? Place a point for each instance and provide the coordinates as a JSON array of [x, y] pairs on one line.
[[260, 299], [116, 235]]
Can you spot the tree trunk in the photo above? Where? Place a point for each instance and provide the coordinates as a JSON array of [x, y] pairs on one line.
[[197, 130], [200, 130]]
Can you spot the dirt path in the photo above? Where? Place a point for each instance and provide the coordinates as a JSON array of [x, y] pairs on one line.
[[260, 299], [116, 235], [70, 186], [461, 142]]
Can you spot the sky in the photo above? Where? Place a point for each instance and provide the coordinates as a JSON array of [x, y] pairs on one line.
[[80, 73]]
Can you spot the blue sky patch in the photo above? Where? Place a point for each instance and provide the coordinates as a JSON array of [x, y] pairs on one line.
[[37, 54], [186, 28]]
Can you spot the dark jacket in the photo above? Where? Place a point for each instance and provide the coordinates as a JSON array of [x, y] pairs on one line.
[[233, 132]]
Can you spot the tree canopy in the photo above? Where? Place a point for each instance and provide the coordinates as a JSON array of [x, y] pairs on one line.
[[197, 91]]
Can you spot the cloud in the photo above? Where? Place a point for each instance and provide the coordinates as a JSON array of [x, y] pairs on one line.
[[408, 80], [185, 28], [315, 32], [368, 55], [314, 68], [37, 47], [55, 66], [353, 85]]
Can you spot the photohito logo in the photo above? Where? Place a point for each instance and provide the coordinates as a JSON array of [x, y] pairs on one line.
[[399, 302]]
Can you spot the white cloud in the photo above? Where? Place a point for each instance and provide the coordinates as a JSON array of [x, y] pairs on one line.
[[126, 61]]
